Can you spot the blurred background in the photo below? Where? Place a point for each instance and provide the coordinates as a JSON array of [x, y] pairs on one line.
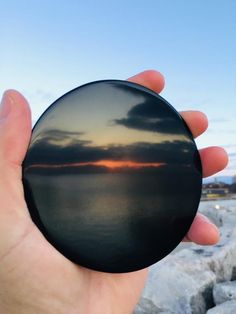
[[51, 47]]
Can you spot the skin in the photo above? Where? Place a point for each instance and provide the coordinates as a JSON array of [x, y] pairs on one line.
[[35, 277]]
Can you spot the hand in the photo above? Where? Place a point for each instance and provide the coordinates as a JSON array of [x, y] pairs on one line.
[[35, 277]]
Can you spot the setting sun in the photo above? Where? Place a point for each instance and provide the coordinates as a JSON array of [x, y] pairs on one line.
[[123, 164]]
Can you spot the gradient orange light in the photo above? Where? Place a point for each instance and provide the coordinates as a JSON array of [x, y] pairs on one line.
[[111, 164], [124, 164]]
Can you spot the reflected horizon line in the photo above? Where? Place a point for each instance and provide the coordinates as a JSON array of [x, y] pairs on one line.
[[110, 164]]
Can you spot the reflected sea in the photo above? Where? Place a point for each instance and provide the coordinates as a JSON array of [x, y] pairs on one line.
[[119, 204], [106, 191]]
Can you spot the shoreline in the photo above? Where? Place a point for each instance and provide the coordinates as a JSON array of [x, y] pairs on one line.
[[220, 198]]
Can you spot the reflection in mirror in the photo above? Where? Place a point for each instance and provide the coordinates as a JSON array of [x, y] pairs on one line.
[[112, 176]]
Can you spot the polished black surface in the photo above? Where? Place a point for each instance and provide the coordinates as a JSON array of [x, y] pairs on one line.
[[112, 176]]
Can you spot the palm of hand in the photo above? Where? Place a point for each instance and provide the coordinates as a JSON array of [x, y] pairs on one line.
[[31, 269], [36, 278]]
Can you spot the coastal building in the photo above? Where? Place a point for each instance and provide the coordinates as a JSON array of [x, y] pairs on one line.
[[215, 190]]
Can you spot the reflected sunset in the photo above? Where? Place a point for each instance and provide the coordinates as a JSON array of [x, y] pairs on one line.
[[124, 164], [107, 173], [110, 164]]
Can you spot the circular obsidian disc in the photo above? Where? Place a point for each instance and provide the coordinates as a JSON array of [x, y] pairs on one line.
[[112, 176]]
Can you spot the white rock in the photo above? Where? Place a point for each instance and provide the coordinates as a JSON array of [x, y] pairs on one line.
[[182, 283], [222, 216], [224, 291], [228, 307]]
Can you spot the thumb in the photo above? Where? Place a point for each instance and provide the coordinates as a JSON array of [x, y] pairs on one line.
[[15, 128], [15, 132]]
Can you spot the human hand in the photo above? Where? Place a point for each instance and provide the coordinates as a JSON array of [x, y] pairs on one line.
[[34, 276]]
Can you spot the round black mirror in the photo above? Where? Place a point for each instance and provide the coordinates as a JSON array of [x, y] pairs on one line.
[[112, 176]]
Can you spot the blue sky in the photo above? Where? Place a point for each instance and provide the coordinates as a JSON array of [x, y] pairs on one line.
[[50, 47]]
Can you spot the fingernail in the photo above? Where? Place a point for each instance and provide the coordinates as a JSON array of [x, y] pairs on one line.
[[5, 106]]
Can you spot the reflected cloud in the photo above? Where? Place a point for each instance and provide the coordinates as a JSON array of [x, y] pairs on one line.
[[148, 116], [58, 149], [61, 138], [127, 185], [137, 133]]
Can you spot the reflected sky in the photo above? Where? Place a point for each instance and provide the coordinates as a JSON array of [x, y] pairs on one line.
[[111, 127], [112, 176]]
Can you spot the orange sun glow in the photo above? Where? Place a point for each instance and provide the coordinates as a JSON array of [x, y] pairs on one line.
[[111, 164]]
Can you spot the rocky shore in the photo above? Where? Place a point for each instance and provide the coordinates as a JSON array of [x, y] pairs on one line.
[[197, 279]]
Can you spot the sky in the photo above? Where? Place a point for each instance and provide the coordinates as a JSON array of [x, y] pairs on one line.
[[51, 47]]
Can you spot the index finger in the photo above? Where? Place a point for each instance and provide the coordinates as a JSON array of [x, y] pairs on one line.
[[151, 79]]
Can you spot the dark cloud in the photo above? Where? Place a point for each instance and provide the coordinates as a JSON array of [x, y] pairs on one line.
[[76, 151], [151, 116], [59, 135], [50, 152], [147, 110]]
